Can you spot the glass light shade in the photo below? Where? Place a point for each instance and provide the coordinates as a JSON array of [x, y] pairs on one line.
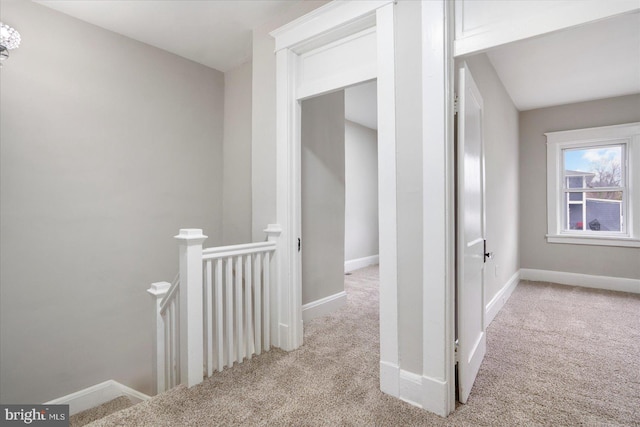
[[9, 37]]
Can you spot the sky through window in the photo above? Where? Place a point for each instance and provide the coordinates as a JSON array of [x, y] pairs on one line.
[[587, 160]]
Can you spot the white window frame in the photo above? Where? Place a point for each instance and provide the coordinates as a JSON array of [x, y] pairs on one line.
[[626, 134]]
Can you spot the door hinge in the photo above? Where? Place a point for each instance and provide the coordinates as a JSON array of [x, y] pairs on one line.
[[456, 352], [456, 103], [299, 244]]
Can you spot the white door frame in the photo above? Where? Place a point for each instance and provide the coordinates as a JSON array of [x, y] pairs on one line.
[[324, 28], [438, 165]]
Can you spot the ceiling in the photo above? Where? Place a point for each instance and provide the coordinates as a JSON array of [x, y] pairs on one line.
[[215, 33], [593, 61]]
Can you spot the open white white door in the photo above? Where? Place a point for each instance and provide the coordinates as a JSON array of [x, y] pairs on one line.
[[470, 235]]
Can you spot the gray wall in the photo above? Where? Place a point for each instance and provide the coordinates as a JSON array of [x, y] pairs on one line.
[[323, 196], [263, 135], [107, 147], [263, 138], [500, 127], [536, 253], [361, 191], [236, 199]]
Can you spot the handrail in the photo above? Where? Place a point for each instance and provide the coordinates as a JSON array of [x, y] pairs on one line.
[[220, 249], [246, 249], [175, 285]]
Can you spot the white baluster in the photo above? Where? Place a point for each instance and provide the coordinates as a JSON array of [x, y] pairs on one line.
[[265, 299], [208, 315], [229, 310], [247, 307], [172, 343], [219, 318], [239, 335], [257, 315], [176, 341], [167, 350]]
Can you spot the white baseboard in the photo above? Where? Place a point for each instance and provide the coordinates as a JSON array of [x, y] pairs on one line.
[[621, 284], [324, 306], [411, 388], [421, 391], [435, 396], [96, 395], [390, 378], [355, 264], [499, 300], [417, 390], [283, 337]]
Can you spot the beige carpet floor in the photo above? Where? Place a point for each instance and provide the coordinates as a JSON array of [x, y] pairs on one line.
[[556, 356], [85, 417]]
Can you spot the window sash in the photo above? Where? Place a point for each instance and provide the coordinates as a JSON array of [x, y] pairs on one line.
[[566, 201], [582, 146], [566, 219]]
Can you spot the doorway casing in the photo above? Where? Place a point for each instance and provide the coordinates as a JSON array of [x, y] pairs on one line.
[[338, 45], [316, 54]]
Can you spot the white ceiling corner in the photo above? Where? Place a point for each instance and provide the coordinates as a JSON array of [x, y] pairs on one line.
[[215, 33], [592, 61]]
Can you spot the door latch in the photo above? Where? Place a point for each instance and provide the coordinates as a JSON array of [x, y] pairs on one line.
[[299, 244]]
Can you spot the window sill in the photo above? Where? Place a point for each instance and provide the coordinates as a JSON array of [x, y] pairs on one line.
[[625, 242]]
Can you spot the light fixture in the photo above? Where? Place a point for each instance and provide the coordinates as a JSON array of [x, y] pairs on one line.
[[9, 39]]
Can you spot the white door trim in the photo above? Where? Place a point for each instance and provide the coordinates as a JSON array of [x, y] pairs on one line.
[[438, 166], [328, 24]]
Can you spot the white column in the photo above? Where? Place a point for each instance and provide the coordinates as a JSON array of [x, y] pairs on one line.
[[191, 323], [438, 374], [158, 291], [387, 202]]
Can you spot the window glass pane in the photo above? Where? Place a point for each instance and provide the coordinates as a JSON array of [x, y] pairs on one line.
[[576, 197], [576, 181], [596, 167], [604, 211], [575, 217]]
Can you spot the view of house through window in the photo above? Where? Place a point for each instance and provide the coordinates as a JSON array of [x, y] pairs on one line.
[[594, 188]]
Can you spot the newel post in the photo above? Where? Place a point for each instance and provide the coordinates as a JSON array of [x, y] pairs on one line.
[[273, 232], [158, 291], [191, 323]]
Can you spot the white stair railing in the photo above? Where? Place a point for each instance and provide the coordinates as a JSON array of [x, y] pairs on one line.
[[217, 310]]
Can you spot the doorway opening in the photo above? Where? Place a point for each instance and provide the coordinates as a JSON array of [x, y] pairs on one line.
[[339, 194], [347, 44]]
